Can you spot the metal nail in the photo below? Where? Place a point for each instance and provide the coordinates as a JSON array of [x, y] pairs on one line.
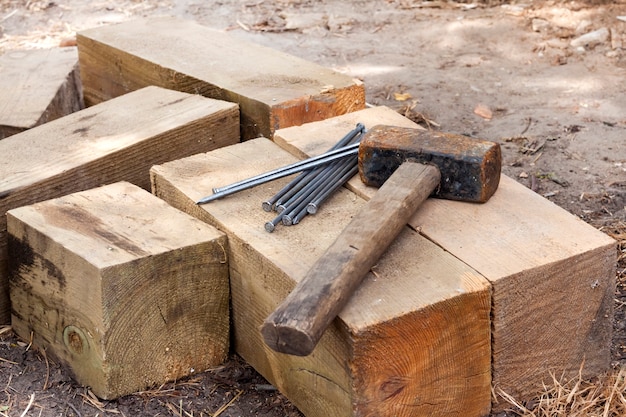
[[314, 205], [347, 151]]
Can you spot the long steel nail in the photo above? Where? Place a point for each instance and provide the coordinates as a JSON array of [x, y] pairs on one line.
[[297, 183], [315, 204], [271, 225], [269, 205], [347, 151], [288, 195], [301, 199]]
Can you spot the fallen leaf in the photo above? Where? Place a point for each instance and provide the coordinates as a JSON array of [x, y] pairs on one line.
[[67, 42], [483, 111], [401, 96]]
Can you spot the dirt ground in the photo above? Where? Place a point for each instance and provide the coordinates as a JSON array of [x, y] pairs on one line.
[[517, 73]]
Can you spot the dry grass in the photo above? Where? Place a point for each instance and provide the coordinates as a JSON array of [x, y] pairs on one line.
[[604, 396]]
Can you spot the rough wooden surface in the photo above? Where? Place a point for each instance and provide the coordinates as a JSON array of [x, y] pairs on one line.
[[125, 290], [37, 86], [117, 140], [296, 326], [553, 280], [413, 340], [274, 89], [553, 275]]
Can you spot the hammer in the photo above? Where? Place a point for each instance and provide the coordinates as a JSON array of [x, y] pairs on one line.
[[408, 165]]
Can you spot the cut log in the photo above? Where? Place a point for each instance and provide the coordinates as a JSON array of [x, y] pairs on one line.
[[37, 86], [273, 89], [122, 288], [117, 140], [413, 340], [553, 275]]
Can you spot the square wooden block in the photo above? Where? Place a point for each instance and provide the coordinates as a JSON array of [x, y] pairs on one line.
[[125, 290], [118, 140]]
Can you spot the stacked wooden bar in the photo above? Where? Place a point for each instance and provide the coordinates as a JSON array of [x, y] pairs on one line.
[[37, 86], [114, 141], [465, 290], [468, 297], [414, 340], [125, 290], [273, 89], [552, 275]]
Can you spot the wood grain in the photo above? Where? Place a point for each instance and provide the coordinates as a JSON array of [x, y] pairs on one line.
[[37, 86], [273, 89], [125, 290], [117, 140], [419, 321], [553, 275], [298, 323]]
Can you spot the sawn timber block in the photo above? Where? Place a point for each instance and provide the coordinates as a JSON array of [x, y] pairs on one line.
[[552, 275], [124, 289], [114, 141], [415, 338], [37, 86], [273, 89]]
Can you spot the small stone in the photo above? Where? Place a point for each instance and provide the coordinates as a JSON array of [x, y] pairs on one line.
[[540, 25], [591, 39]]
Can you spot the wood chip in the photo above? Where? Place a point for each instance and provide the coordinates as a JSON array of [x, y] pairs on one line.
[[401, 96], [483, 111]]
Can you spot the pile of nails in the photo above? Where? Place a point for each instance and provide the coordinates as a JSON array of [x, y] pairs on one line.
[[305, 193]]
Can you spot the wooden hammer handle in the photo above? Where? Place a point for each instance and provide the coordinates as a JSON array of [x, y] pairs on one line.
[[298, 323]]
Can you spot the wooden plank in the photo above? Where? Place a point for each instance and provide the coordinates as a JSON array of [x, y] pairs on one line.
[[117, 140], [553, 275], [413, 340], [273, 89], [37, 86], [122, 288]]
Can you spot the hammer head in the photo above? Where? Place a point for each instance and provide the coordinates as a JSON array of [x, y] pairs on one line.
[[470, 168]]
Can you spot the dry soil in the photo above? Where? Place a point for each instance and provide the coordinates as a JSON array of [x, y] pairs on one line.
[[516, 73]]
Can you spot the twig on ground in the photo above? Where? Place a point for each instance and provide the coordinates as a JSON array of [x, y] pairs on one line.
[[30, 403], [7, 361], [45, 382], [93, 401], [30, 342], [228, 404], [70, 405]]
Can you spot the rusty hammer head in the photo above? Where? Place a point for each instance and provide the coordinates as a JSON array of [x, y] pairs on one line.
[[470, 168]]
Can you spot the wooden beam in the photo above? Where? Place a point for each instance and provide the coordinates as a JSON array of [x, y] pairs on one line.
[[414, 339], [553, 275], [122, 288], [273, 89], [37, 86], [553, 279], [117, 140]]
